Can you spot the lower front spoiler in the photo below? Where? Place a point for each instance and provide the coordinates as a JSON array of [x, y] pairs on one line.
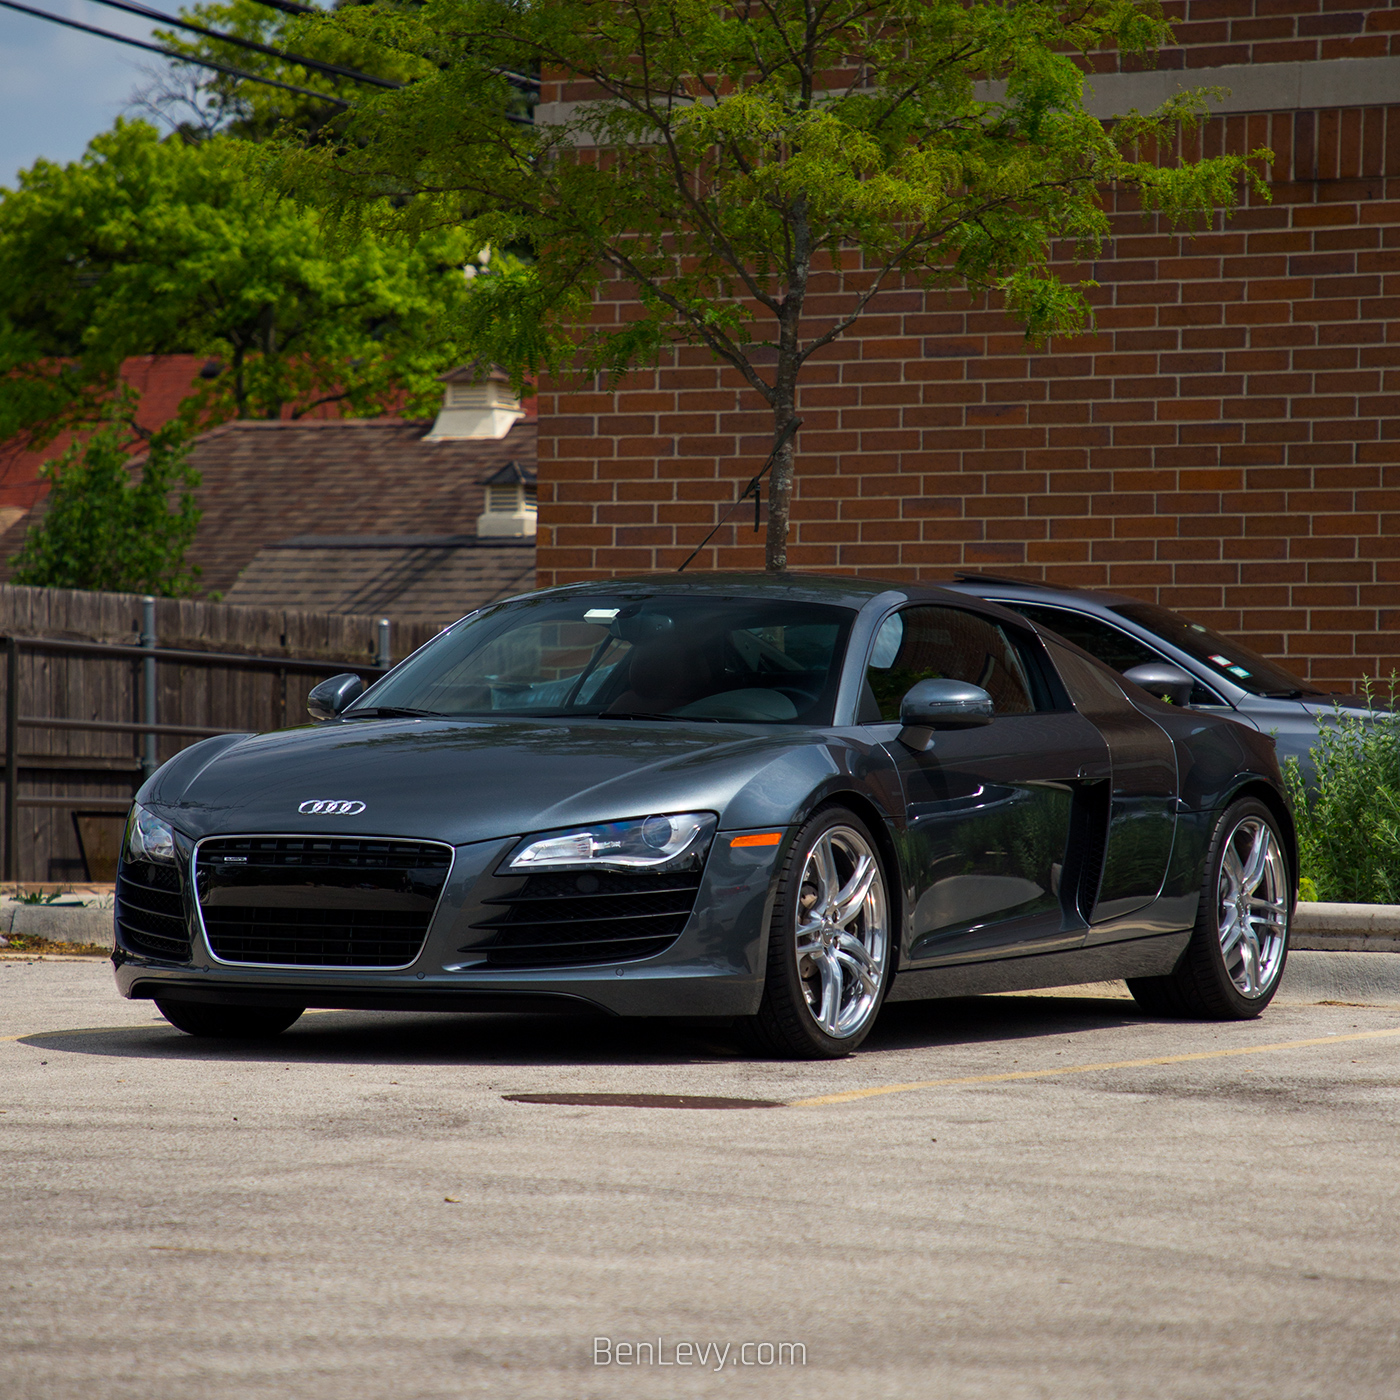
[[637, 989], [430, 999]]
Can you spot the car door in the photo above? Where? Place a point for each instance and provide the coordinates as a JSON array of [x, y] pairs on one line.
[[991, 811], [1141, 806]]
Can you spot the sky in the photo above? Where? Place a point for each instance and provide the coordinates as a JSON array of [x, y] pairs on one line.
[[59, 88]]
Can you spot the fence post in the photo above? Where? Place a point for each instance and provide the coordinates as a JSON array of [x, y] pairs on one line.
[[11, 869], [148, 688], [382, 660]]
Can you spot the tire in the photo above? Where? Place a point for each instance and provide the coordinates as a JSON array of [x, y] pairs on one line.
[[1234, 962], [204, 1018], [826, 976]]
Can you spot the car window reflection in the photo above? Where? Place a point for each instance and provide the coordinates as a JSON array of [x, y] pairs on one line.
[[662, 657], [935, 643]]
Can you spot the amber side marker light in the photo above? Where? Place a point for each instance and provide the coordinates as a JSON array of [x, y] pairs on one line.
[[766, 838]]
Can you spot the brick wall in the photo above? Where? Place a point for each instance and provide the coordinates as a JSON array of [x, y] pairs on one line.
[[1226, 442], [1213, 33]]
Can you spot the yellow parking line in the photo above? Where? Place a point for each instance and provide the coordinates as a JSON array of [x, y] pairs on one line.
[[852, 1094]]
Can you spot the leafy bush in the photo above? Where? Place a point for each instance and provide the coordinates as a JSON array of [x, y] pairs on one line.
[[1349, 824], [106, 528]]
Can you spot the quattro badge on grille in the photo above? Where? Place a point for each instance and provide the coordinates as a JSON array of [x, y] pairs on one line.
[[330, 807]]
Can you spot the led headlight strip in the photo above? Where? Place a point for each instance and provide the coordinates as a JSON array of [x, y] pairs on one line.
[[639, 844]]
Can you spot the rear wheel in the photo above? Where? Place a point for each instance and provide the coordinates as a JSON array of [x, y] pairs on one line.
[[1234, 962], [204, 1018], [829, 946]]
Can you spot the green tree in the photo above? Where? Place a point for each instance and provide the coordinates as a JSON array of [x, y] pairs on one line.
[[151, 246], [730, 152], [104, 530]]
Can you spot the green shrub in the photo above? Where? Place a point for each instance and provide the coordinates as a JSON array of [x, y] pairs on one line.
[[1349, 824], [107, 527]]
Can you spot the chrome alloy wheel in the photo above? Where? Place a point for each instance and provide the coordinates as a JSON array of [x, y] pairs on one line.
[[1252, 906], [842, 931]]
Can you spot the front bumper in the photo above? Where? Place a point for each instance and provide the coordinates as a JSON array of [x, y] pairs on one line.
[[714, 968]]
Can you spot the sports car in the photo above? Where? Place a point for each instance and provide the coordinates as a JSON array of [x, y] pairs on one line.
[[782, 800]]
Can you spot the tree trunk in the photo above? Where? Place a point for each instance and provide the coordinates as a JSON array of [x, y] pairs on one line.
[[780, 479], [784, 399]]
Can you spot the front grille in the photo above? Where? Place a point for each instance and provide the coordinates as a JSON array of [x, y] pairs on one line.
[[151, 911], [570, 919], [319, 901]]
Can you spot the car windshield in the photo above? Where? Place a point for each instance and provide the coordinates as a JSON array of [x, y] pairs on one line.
[[629, 655], [1236, 662]]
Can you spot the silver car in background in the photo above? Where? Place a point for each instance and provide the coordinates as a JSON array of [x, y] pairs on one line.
[[1145, 642]]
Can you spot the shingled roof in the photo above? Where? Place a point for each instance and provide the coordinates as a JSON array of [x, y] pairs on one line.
[[410, 578], [266, 483], [345, 514]]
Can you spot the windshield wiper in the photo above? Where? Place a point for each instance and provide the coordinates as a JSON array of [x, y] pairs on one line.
[[392, 712], [1289, 694]]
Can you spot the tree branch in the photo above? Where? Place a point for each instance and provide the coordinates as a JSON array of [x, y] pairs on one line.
[[717, 341]]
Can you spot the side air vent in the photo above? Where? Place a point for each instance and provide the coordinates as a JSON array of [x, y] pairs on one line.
[[151, 911], [1088, 833]]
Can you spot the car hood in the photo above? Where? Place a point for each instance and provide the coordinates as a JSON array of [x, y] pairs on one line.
[[460, 781]]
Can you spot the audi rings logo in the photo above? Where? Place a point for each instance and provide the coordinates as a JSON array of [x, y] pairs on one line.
[[330, 807]]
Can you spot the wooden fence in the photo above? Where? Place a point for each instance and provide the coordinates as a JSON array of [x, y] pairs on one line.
[[83, 723]]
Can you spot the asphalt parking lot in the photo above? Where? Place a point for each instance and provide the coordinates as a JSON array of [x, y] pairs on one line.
[[1016, 1196]]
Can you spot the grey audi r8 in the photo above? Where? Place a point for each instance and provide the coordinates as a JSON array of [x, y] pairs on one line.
[[782, 799]]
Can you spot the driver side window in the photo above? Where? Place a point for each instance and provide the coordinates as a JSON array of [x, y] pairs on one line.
[[931, 643]]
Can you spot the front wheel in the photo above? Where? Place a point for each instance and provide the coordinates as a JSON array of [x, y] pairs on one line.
[[1234, 962], [829, 945], [209, 1019]]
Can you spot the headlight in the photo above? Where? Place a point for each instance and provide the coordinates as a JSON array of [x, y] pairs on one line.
[[631, 845], [148, 838]]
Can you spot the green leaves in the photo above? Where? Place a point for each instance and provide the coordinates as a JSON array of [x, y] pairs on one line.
[[150, 246], [721, 157], [1349, 822], [733, 150], [102, 530]]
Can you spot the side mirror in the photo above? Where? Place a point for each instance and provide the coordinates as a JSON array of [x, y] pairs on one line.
[[941, 704], [330, 697], [1165, 681]]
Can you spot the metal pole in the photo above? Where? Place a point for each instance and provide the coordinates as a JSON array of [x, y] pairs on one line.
[[382, 660], [11, 755], [149, 760]]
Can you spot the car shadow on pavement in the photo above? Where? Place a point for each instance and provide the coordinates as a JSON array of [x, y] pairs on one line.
[[405, 1038]]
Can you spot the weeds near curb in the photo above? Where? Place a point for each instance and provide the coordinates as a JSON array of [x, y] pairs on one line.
[[1349, 825]]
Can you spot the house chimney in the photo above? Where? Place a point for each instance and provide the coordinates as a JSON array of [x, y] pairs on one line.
[[475, 405], [510, 504]]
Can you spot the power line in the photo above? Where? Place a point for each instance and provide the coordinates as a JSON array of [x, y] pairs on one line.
[[335, 70], [170, 53], [290, 7]]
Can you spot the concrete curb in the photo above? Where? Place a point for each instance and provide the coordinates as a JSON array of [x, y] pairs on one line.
[[1352, 928], [60, 923]]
